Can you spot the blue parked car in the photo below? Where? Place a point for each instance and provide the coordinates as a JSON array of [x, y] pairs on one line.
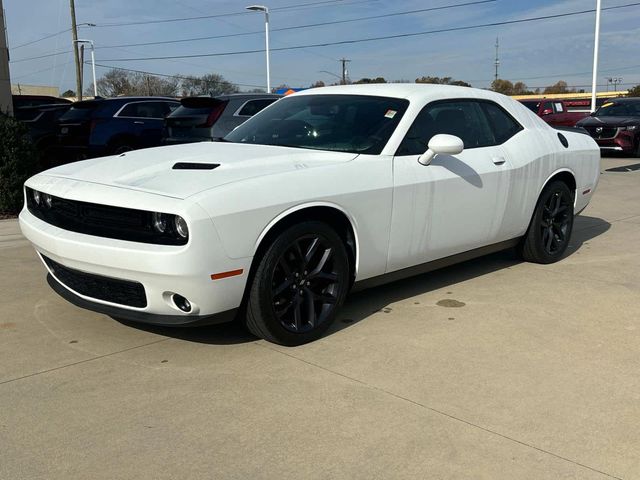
[[111, 126]]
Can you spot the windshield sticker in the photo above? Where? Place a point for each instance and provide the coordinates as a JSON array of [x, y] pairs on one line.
[[390, 113]]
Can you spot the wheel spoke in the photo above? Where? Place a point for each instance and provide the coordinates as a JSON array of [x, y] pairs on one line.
[[311, 309], [297, 313], [549, 242], [329, 277], [311, 250], [284, 310], [285, 265], [282, 287], [326, 299], [325, 256]]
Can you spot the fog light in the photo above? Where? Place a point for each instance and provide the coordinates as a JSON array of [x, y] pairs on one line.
[[181, 226], [159, 222], [181, 302]]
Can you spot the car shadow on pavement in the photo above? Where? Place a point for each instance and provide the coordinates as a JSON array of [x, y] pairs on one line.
[[624, 168], [363, 304]]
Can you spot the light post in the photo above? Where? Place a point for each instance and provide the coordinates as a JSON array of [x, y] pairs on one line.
[[615, 81], [595, 56], [93, 63], [262, 8]]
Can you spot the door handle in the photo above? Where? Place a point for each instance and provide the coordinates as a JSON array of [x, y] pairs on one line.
[[138, 123], [498, 160]]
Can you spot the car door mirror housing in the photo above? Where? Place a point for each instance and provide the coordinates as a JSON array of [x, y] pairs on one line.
[[442, 144], [546, 111]]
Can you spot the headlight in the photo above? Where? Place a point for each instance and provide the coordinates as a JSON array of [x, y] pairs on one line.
[[169, 225], [159, 222], [108, 221], [47, 200], [181, 226], [630, 127]]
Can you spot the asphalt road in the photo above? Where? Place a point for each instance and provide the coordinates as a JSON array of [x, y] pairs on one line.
[[493, 369]]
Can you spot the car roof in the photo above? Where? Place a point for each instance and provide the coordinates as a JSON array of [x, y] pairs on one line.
[[624, 100], [409, 91], [247, 96]]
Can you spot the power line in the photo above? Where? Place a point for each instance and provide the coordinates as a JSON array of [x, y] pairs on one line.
[[41, 39], [372, 39], [54, 54], [219, 15], [309, 25]]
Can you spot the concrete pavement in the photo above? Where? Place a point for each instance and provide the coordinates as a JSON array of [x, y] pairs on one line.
[[492, 369]]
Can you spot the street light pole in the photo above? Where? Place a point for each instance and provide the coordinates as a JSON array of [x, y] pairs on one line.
[[262, 8], [595, 56], [93, 63]]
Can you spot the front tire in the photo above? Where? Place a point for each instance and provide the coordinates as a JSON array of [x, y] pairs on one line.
[[550, 230], [300, 283]]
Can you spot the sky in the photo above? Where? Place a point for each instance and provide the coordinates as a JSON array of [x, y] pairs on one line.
[[538, 53]]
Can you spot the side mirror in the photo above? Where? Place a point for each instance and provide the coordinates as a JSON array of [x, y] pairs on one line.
[[546, 111], [441, 145]]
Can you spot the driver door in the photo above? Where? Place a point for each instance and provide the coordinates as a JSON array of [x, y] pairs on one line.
[[456, 203]]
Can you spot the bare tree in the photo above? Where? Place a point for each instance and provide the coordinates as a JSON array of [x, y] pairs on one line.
[[209, 84]]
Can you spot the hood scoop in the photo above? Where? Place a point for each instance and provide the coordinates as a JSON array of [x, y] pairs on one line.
[[194, 166]]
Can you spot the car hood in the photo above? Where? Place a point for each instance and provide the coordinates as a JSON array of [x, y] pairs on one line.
[[608, 121], [152, 170]]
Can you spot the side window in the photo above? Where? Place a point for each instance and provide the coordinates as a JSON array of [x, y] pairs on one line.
[[144, 110], [503, 125], [170, 107], [463, 118], [252, 107], [547, 106]]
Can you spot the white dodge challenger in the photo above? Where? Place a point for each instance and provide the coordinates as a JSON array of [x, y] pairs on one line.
[[324, 191]]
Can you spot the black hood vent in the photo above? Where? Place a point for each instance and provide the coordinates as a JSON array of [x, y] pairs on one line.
[[195, 166]]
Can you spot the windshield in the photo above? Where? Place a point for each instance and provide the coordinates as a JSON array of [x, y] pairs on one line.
[[79, 112], [341, 123], [612, 109], [533, 106]]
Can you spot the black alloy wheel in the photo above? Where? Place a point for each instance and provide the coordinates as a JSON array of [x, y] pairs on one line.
[[556, 220], [550, 229], [299, 285]]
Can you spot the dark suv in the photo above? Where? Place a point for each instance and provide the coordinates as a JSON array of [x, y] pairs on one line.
[[615, 126], [110, 126], [201, 119], [42, 122]]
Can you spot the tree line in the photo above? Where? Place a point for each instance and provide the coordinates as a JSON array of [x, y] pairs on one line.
[[117, 82]]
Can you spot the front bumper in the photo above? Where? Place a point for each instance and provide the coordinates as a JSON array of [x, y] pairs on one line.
[[140, 317], [162, 270], [623, 142]]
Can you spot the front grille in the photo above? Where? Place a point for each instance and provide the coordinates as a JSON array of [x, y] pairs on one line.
[[102, 220], [113, 290], [602, 133]]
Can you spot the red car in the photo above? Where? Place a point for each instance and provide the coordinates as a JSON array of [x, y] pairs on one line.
[[554, 112], [615, 126]]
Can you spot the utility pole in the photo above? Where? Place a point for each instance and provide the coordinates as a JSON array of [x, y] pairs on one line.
[[6, 105], [345, 74], [497, 62], [74, 32]]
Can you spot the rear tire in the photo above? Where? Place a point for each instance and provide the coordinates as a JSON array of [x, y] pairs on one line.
[[299, 285], [548, 235]]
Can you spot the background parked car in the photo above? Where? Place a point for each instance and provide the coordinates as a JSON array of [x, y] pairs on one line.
[[554, 112], [42, 122], [199, 119], [21, 101], [615, 126], [110, 126]]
